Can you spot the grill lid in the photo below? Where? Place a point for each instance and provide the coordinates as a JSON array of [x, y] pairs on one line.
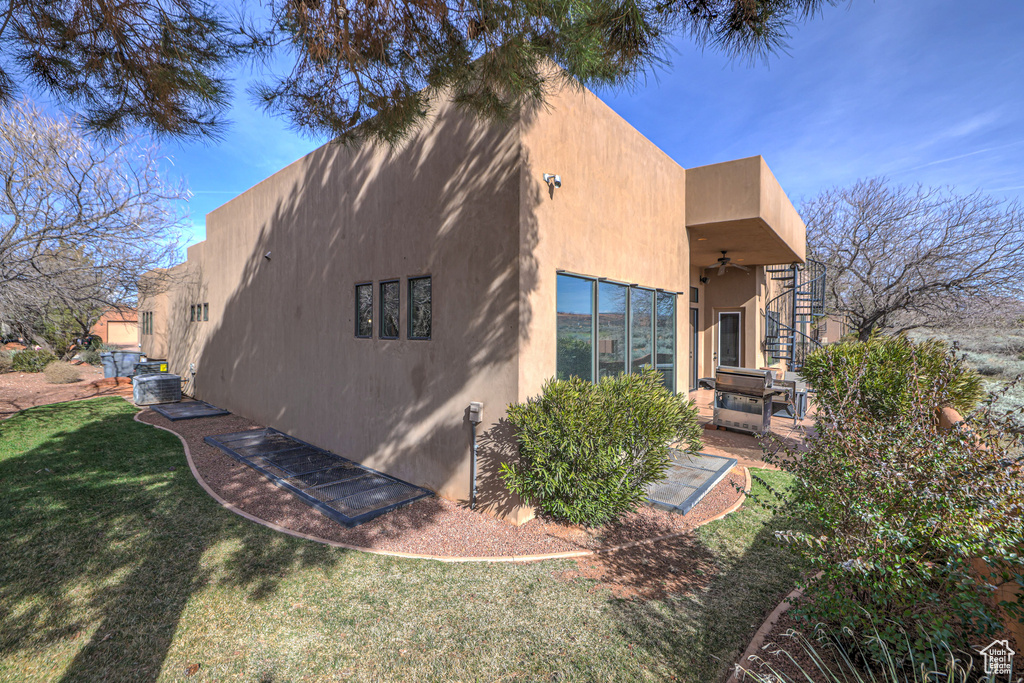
[[743, 380]]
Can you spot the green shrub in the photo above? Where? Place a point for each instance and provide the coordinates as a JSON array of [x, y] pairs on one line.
[[31, 360], [90, 356], [900, 509], [588, 451], [59, 372], [882, 375], [6, 361]]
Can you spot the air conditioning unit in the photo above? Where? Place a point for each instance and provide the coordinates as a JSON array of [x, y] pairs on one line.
[[156, 388], [150, 367]]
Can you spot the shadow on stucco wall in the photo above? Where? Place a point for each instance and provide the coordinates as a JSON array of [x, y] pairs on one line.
[[280, 346]]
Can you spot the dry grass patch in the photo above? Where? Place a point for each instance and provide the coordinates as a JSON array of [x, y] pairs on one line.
[[59, 372]]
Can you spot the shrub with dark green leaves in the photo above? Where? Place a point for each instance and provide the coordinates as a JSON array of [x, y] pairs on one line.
[[902, 511], [31, 360], [881, 376], [588, 451]]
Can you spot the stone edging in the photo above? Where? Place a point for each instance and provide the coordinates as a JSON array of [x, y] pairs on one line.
[[738, 672], [440, 558]]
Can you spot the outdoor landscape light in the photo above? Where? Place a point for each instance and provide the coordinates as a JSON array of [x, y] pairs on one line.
[[552, 179], [267, 256]]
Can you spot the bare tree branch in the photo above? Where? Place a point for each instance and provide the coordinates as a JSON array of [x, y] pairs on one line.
[[904, 257], [79, 222]]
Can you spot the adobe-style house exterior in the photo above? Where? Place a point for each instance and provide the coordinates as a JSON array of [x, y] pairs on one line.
[[517, 268]]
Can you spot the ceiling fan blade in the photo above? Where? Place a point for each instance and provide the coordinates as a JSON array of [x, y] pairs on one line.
[[736, 265], [721, 269]]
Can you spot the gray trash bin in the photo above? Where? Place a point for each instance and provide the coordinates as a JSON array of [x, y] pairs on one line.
[[109, 366], [126, 361]]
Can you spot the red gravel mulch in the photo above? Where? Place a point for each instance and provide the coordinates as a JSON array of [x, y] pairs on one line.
[[21, 390], [439, 527]]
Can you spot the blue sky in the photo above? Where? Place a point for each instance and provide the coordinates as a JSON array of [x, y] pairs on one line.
[[922, 91]]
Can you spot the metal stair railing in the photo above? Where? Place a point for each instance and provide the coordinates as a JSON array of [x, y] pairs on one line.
[[790, 315]]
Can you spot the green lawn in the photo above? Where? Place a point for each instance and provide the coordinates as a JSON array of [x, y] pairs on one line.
[[117, 566]]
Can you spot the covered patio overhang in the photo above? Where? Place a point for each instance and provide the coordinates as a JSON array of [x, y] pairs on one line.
[[740, 208]]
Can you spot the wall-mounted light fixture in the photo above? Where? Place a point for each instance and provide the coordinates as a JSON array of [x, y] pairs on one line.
[[704, 279], [553, 180], [267, 256]]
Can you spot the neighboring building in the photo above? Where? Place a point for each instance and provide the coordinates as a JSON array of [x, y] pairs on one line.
[[118, 326], [361, 298], [831, 328]]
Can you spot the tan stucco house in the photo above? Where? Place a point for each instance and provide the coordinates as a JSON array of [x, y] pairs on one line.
[[361, 298]]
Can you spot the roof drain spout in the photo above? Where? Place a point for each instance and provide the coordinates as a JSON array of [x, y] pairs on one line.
[[476, 416]]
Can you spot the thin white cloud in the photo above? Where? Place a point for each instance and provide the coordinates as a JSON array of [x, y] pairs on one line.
[[961, 156]]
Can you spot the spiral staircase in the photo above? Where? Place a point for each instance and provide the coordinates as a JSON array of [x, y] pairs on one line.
[[795, 305]]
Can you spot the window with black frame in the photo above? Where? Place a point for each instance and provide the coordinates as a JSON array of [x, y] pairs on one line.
[[665, 334], [575, 328], [364, 310], [634, 327], [419, 308], [389, 304], [612, 326]]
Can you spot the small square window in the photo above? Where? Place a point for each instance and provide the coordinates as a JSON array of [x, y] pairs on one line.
[[364, 310], [206, 312], [389, 302], [419, 308], [694, 295]]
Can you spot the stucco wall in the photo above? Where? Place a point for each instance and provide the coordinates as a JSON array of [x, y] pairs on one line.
[[620, 214], [734, 290], [466, 204], [155, 293], [280, 346], [738, 206]]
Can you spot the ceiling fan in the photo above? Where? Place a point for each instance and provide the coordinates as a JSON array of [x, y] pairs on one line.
[[726, 262]]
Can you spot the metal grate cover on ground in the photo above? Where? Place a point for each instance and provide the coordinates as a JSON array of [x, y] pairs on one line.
[[688, 480], [188, 410], [343, 490]]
